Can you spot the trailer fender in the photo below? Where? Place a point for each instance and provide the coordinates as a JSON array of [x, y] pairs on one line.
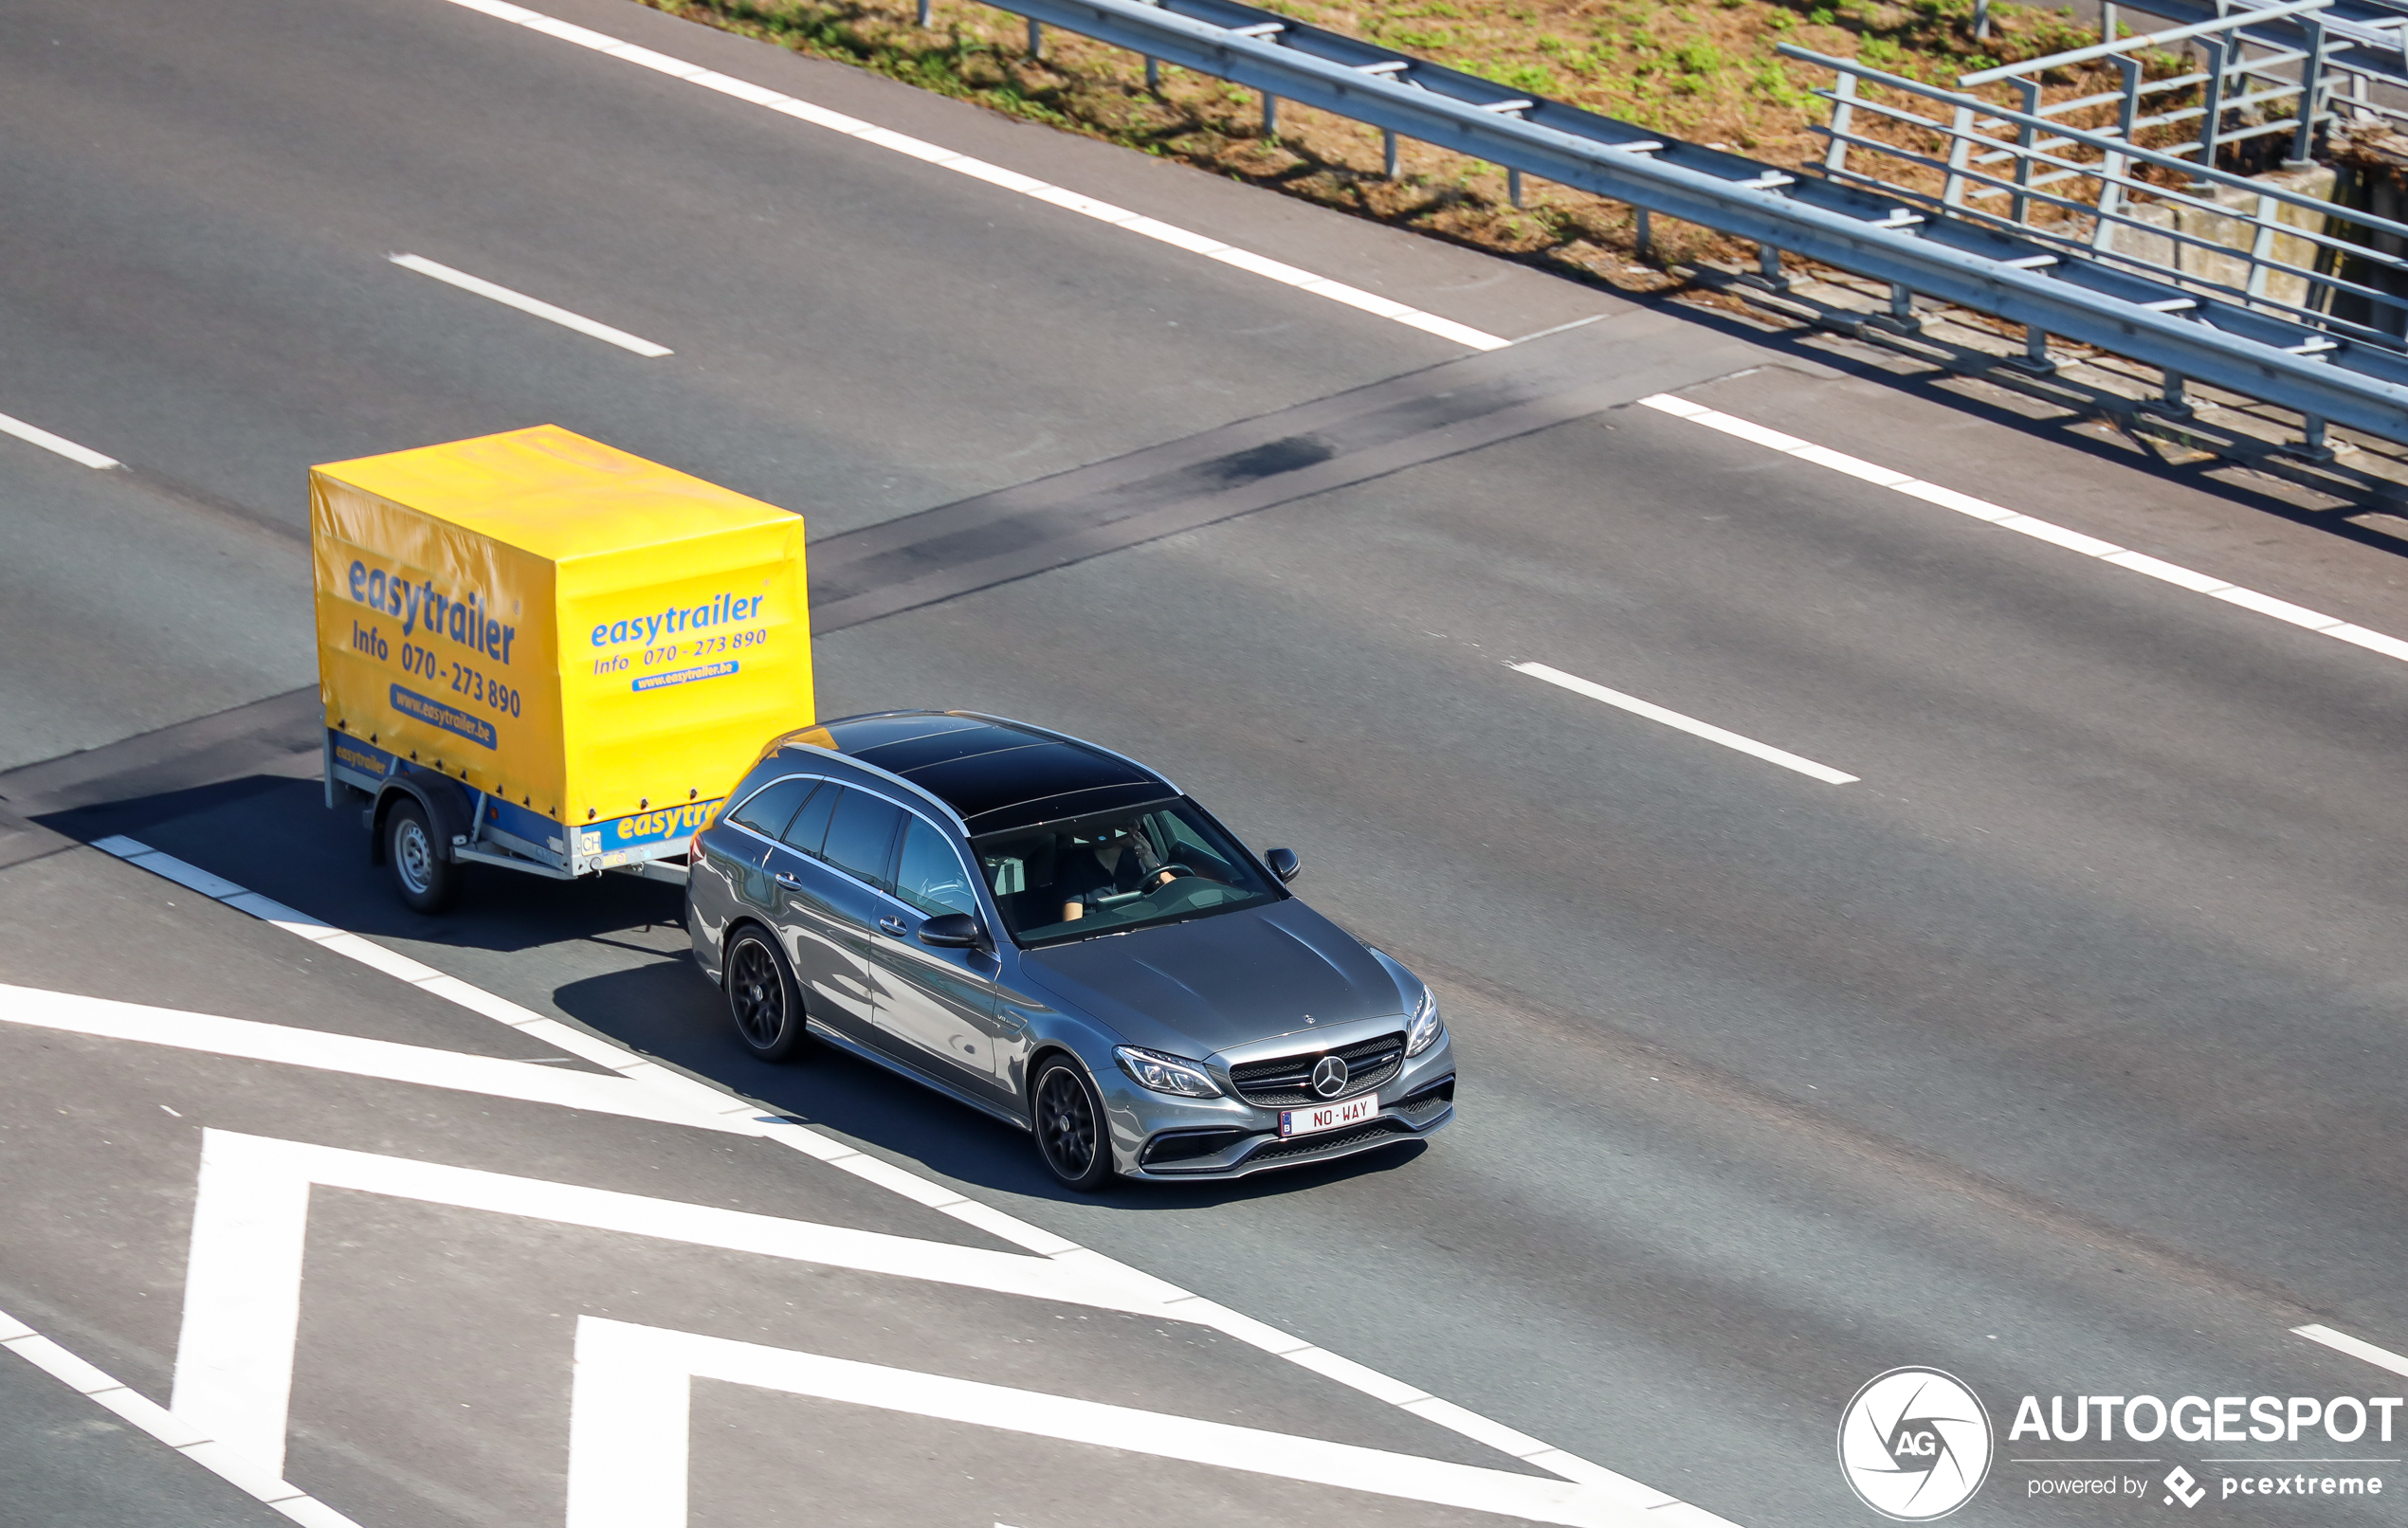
[[446, 802]]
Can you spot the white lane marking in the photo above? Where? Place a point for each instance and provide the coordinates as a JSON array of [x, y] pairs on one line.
[[2344, 1342], [1180, 1304], [139, 1411], [1011, 180], [36, 435], [1688, 725], [630, 1425], [251, 1040], [524, 303], [250, 1220], [2039, 530]]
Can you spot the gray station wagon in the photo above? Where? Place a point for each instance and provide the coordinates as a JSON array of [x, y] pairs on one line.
[[1045, 930]]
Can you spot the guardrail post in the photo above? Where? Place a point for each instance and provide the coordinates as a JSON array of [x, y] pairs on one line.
[[1036, 38], [2107, 22], [1902, 307], [2177, 401], [925, 6], [2036, 350], [2312, 442], [2025, 137], [1981, 19], [1270, 114], [2111, 172], [1513, 186], [1388, 151], [1768, 266], [2312, 92], [2211, 122], [1152, 73], [1643, 240], [1843, 118], [1952, 192]]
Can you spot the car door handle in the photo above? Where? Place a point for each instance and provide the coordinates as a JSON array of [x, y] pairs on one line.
[[892, 925], [789, 882]]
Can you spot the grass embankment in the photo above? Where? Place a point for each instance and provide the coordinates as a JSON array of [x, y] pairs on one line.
[[1705, 72]]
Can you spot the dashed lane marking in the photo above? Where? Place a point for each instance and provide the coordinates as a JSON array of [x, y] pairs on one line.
[[35, 435], [524, 303], [1010, 180], [2039, 530], [707, 1100], [2344, 1342], [1688, 725]]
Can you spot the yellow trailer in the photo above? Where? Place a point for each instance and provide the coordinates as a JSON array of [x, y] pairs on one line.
[[538, 651]]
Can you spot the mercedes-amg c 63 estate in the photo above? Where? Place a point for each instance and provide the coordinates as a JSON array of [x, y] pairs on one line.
[[1045, 930]]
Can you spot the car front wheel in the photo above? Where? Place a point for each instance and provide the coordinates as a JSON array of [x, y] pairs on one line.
[[1069, 1125]]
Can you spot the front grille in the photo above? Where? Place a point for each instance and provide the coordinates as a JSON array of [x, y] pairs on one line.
[[1287, 1082], [1333, 1140]]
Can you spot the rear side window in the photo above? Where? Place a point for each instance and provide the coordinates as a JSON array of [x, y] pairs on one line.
[[766, 811], [809, 830], [861, 836]]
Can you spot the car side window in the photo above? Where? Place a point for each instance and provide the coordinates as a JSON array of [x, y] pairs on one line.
[[861, 837], [767, 811], [929, 875], [809, 830]]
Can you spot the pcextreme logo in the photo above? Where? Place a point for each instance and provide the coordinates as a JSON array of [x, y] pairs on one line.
[[1915, 1443]]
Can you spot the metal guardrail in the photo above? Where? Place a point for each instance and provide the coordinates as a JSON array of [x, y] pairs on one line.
[[2046, 287]]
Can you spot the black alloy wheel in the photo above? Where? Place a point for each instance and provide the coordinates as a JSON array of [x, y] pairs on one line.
[[1070, 1126], [425, 880], [761, 997]]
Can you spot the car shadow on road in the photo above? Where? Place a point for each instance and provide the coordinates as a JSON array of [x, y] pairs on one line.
[[670, 1011]]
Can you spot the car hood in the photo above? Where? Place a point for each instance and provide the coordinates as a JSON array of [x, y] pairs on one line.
[[1201, 987]]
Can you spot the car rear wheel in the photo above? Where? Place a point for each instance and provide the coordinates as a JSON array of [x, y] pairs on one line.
[[761, 996], [425, 880], [1069, 1125]]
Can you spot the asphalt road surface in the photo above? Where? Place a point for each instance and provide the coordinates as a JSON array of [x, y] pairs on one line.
[[2056, 1047]]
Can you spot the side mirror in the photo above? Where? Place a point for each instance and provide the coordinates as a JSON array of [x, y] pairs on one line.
[[1283, 863], [952, 931]]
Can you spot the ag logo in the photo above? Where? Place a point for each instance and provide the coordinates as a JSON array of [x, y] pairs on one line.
[[1915, 1445]]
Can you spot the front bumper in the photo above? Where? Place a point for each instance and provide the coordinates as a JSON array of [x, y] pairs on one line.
[[1190, 1141]]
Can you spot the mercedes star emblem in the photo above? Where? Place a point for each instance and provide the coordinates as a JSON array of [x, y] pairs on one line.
[[1329, 1075]]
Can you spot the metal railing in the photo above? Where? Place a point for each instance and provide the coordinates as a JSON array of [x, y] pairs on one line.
[[2052, 288], [2088, 193]]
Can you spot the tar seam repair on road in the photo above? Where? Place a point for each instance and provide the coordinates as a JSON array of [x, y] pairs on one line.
[[1604, 1495]]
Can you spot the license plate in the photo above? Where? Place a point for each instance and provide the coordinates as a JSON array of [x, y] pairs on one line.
[[1329, 1115]]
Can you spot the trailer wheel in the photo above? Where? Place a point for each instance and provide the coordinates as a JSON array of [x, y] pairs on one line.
[[761, 996], [426, 879]]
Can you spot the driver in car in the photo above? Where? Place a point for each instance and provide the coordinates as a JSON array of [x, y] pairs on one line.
[[1120, 861]]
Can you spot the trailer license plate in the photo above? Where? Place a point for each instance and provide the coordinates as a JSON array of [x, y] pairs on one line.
[[1329, 1115]]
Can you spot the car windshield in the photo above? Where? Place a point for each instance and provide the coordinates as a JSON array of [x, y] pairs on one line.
[[1163, 863]]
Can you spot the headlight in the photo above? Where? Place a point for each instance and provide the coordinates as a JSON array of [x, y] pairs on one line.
[[1166, 1074], [1424, 1030]]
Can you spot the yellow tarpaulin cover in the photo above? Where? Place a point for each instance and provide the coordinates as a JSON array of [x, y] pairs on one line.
[[573, 630]]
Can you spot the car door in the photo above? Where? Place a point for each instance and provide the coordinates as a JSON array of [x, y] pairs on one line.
[[740, 860], [937, 1006], [824, 907]]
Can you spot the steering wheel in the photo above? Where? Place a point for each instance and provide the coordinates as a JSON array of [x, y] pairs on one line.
[[1174, 871]]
